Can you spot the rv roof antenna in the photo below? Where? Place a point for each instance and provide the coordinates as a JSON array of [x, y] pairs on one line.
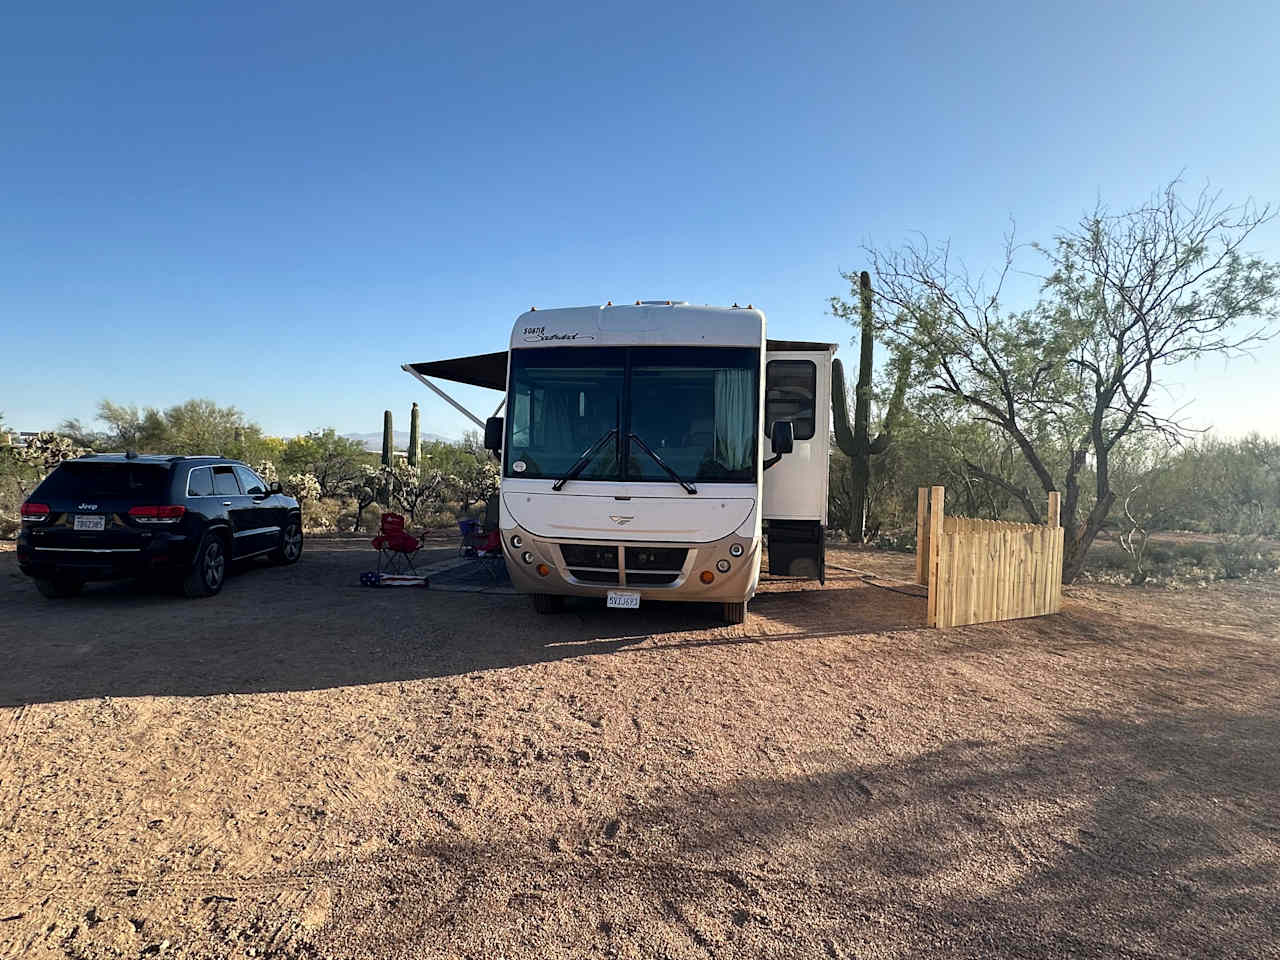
[[532, 309], [609, 304], [735, 305]]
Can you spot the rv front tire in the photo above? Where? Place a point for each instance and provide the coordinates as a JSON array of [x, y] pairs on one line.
[[547, 602], [734, 612]]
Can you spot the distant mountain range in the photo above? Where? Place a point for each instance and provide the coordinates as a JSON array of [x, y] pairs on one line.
[[399, 439]]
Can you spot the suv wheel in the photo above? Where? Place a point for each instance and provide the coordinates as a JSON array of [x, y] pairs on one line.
[[290, 549], [59, 587], [209, 569]]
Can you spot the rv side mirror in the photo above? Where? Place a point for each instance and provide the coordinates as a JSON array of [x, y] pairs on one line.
[[493, 434], [783, 437]]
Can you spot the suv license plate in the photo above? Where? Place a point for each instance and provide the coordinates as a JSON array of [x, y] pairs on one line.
[[623, 599], [89, 523]]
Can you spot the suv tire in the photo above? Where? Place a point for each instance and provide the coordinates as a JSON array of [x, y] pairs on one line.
[[734, 612], [58, 588], [290, 549], [209, 568]]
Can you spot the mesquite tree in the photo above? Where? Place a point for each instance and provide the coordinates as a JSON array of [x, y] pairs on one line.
[[1127, 297], [856, 443]]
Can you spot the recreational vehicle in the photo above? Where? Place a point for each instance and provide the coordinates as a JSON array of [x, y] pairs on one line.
[[649, 449]]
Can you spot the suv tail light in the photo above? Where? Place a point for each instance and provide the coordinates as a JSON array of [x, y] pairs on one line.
[[35, 512], [170, 514]]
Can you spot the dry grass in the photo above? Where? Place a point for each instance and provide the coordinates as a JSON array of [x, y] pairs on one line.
[[304, 768]]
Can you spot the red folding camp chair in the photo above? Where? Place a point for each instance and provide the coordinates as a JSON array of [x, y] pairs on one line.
[[396, 547]]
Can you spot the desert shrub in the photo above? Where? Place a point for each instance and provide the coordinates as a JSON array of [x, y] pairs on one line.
[[320, 516], [1241, 558], [1196, 552]]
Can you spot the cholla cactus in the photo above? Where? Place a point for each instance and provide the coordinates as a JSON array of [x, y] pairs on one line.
[[47, 449], [475, 483], [267, 471], [303, 486]]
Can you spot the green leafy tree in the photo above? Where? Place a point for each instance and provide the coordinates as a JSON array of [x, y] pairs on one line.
[[1128, 296], [335, 461]]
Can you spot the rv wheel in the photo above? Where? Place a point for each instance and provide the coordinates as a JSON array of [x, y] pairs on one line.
[[547, 602], [734, 612]]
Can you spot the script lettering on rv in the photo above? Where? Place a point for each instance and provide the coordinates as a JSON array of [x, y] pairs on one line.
[[540, 335]]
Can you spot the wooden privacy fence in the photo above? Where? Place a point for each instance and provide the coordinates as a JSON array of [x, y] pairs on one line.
[[983, 570]]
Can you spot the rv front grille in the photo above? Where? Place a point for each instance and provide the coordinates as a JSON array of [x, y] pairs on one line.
[[591, 564], [595, 576], [653, 566], [655, 559], [650, 579]]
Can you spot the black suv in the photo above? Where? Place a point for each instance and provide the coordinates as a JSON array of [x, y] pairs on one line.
[[107, 516]]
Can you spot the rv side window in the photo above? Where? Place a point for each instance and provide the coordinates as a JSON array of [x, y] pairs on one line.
[[790, 389]]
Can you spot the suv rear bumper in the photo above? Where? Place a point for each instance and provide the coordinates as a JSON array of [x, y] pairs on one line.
[[164, 553]]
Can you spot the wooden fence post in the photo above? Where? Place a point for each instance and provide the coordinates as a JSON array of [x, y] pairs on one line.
[[922, 535], [936, 514], [1054, 521]]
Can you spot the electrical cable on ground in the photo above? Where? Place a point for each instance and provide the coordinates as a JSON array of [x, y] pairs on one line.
[[869, 578]]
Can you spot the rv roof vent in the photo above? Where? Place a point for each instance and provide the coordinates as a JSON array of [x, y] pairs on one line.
[[662, 303]]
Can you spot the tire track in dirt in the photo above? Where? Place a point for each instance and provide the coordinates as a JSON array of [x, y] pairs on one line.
[[11, 776]]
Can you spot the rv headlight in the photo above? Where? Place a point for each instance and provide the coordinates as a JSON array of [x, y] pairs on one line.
[[722, 566], [735, 550], [527, 557], [517, 541]]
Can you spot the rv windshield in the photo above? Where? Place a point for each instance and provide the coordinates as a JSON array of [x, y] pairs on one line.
[[696, 407]]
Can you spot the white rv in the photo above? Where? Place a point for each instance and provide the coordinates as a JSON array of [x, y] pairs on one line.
[[647, 449]]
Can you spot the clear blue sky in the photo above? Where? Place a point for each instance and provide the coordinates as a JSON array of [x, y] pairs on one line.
[[274, 205]]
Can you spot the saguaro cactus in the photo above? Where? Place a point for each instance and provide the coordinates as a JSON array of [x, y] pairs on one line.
[[415, 446], [856, 443], [387, 445]]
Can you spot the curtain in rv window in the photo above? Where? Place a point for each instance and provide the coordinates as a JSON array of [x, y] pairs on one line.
[[734, 433]]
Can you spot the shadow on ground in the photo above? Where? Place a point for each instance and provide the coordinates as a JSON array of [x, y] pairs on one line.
[[312, 626], [1119, 837]]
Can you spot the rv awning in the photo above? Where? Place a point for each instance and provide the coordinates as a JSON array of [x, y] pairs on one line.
[[483, 370], [490, 369]]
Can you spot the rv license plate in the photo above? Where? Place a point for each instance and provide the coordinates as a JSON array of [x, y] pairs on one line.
[[89, 523], [623, 599]]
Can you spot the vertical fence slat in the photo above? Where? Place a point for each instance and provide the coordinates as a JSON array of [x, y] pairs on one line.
[[922, 535], [937, 515]]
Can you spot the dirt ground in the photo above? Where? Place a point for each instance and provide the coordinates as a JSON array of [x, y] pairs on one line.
[[305, 768]]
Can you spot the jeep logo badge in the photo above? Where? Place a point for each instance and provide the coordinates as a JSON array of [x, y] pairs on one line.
[[87, 506]]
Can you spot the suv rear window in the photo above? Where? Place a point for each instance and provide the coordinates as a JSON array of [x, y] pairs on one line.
[[200, 482], [106, 481]]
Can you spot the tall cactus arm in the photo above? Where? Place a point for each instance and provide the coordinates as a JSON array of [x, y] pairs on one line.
[[840, 407], [388, 444], [881, 443]]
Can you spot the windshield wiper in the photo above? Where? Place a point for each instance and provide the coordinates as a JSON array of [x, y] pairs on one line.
[[688, 487], [585, 459]]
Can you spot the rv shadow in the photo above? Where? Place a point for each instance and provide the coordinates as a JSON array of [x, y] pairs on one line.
[[312, 626]]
